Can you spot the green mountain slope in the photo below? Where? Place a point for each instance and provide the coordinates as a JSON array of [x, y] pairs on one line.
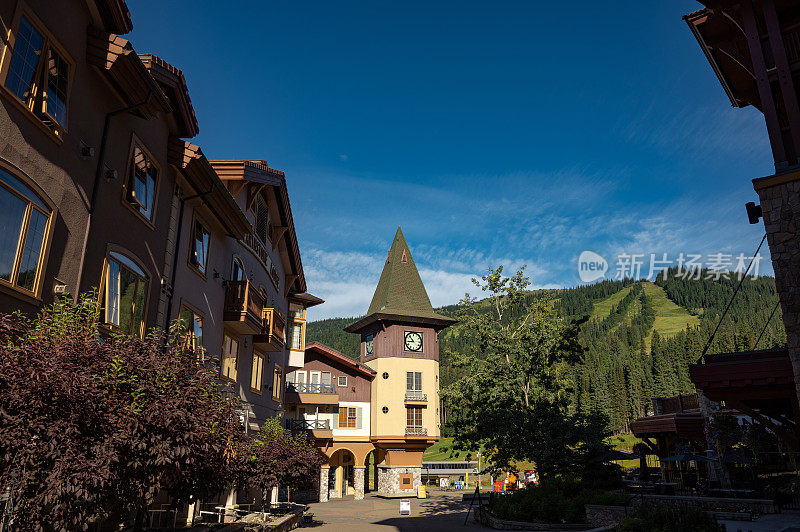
[[640, 338]]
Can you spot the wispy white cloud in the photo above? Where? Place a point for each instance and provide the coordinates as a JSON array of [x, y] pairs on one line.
[[456, 231]]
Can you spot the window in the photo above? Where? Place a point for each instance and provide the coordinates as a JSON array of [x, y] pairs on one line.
[[348, 417], [368, 344], [295, 335], [414, 416], [261, 228], [192, 322], [25, 221], [230, 357], [277, 383], [237, 270], [38, 74], [199, 254], [142, 180], [385, 375], [342, 381], [124, 294], [385, 409], [256, 372], [413, 381]]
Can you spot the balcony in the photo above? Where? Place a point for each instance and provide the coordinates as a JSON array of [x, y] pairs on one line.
[[416, 397], [243, 307], [302, 387], [314, 394], [319, 428], [416, 431], [273, 323]]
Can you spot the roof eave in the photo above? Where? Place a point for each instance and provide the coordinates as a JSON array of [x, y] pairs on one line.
[[438, 321], [691, 21]]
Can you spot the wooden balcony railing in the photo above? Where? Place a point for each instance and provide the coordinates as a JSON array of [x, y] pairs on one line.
[[243, 307], [416, 431], [273, 323]]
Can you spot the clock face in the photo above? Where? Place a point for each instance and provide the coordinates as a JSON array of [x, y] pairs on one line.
[[413, 341], [369, 342]]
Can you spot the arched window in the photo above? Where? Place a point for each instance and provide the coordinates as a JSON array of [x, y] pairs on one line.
[[25, 220], [124, 294], [237, 272]]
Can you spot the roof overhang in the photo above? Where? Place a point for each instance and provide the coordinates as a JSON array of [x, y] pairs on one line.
[[726, 49], [332, 354], [174, 86], [189, 160], [116, 59], [258, 171], [306, 299], [113, 14], [437, 321], [744, 376], [688, 425]]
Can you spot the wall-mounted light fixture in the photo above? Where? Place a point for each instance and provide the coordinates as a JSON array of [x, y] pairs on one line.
[[754, 212]]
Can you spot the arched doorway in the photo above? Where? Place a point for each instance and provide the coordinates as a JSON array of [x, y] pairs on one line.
[[341, 476]]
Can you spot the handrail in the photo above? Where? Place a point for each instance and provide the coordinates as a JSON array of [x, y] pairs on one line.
[[413, 395], [308, 424], [241, 296], [273, 321], [416, 431], [302, 387]]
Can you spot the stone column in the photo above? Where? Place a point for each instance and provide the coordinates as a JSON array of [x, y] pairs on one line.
[[780, 205], [715, 469], [324, 472], [358, 481]]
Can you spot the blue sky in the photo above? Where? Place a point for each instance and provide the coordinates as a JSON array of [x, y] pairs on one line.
[[494, 133]]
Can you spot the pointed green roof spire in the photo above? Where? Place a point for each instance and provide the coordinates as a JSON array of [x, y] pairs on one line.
[[400, 292]]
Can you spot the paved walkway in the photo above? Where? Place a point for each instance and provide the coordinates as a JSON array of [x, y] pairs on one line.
[[440, 511], [785, 522], [444, 511]]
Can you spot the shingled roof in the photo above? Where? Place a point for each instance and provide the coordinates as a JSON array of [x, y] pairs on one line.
[[400, 292]]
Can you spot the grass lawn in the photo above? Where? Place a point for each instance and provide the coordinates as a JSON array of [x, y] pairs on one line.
[[670, 318]]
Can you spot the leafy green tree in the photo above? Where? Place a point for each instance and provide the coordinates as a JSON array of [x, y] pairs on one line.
[[512, 398]]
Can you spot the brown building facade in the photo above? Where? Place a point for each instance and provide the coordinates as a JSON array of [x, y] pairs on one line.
[[101, 190]]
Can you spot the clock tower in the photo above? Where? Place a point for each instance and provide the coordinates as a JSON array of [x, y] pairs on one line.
[[400, 342]]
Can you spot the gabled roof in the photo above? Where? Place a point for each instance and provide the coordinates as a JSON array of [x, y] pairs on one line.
[[191, 162], [335, 355], [116, 59], [258, 171], [400, 292], [173, 84]]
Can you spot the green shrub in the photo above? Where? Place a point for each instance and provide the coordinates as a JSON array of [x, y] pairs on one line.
[[655, 518], [558, 500]]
